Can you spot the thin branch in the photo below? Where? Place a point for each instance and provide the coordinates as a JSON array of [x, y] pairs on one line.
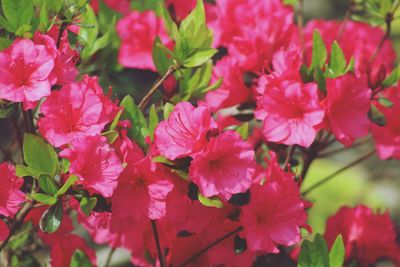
[[388, 22], [109, 257], [328, 178], [157, 240], [205, 249], [143, 103], [289, 156]]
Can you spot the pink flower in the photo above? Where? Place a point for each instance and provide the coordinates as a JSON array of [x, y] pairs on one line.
[[181, 8], [137, 32], [185, 132], [225, 167], [387, 138], [65, 58], [290, 110], [4, 231], [142, 191], [25, 70], [233, 91], [347, 104], [11, 197], [367, 237], [275, 212], [77, 110], [95, 163]]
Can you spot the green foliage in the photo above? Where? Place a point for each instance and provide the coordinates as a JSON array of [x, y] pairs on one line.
[[39, 156], [18, 14], [48, 185], [316, 253], [319, 52], [376, 116], [374, 12], [243, 130], [132, 112], [45, 199], [7, 110], [87, 204], [80, 259], [393, 78], [168, 108], [51, 218], [210, 201], [153, 121], [70, 181]]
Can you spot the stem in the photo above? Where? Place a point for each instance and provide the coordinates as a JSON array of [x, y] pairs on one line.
[[157, 240], [205, 249], [344, 22], [143, 103], [328, 178], [300, 23], [19, 221], [389, 18], [289, 156], [63, 27], [109, 257], [332, 152]]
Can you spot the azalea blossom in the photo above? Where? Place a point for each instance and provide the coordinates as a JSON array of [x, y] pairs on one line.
[[347, 104], [78, 110], [4, 231], [275, 212], [25, 70], [225, 167], [95, 163], [11, 197], [185, 132], [138, 32], [367, 236]]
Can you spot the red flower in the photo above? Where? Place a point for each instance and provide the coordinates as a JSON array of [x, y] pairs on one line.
[[347, 105], [78, 110], [4, 231], [25, 70], [95, 163], [11, 197], [137, 32], [142, 191], [387, 138], [181, 8], [275, 212], [185, 131], [367, 237], [225, 167], [290, 110]]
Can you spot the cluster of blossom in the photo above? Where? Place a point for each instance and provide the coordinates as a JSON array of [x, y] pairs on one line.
[[195, 155]]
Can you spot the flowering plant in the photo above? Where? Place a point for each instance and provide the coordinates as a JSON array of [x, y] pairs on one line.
[[202, 161]]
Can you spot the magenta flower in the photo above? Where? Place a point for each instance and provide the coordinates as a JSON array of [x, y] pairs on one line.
[[11, 197]]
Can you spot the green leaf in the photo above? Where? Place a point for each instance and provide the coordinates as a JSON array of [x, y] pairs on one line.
[[160, 58], [111, 136], [320, 243], [310, 255], [45, 199], [39, 155], [100, 43], [168, 108], [376, 116], [337, 253], [319, 53], [6, 111], [243, 130], [23, 171], [70, 181], [18, 12], [337, 63], [23, 30], [210, 201], [153, 121], [43, 18], [200, 57], [80, 259], [89, 35], [114, 123], [163, 160], [6, 25], [47, 184], [51, 218], [393, 78], [320, 79], [385, 102], [132, 112], [87, 204]]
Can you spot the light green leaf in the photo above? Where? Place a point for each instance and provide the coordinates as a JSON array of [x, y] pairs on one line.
[[168, 108], [320, 79], [337, 253], [319, 53], [337, 63], [132, 112], [89, 35], [87, 205], [393, 78], [70, 181], [200, 57], [18, 12], [160, 58], [111, 136], [243, 130], [153, 121], [210, 201], [39, 155], [47, 184], [385, 102], [45, 199], [23, 171]]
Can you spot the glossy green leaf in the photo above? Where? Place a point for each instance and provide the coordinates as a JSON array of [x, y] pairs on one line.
[[319, 53], [160, 58], [47, 184], [337, 253], [70, 181], [44, 199], [200, 57], [18, 12], [337, 63], [51, 218]]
